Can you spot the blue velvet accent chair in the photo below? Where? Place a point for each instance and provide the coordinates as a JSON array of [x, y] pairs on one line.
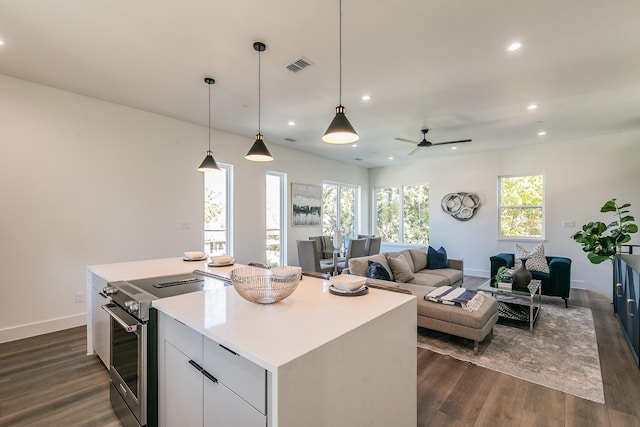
[[556, 283]]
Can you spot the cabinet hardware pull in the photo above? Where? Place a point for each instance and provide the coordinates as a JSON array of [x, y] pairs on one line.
[[208, 375], [629, 301], [195, 365], [618, 286], [229, 350]]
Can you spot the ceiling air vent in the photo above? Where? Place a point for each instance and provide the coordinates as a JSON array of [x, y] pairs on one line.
[[299, 65], [357, 159], [290, 139]]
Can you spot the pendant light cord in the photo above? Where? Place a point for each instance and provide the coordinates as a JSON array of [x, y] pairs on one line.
[[209, 117], [259, 87], [340, 61]]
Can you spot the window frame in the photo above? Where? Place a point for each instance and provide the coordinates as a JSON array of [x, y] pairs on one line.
[[356, 208], [227, 169], [283, 214], [499, 208], [401, 211]]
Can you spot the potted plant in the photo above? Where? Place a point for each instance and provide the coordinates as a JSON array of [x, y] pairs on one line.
[[601, 241]]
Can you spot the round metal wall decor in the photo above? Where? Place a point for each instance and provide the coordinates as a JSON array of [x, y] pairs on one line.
[[462, 206]]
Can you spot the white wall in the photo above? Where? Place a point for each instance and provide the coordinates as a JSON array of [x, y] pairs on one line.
[[89, 182], [579, 177]]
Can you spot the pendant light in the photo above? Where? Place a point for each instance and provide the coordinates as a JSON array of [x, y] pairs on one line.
[[259, 151], [340, 130], [209, 163]]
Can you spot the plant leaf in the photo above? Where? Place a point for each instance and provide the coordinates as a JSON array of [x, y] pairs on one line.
[[609, 206]]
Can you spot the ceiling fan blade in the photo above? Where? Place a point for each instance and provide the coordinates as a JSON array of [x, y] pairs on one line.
[[414, 151], [406, 140], [452, 142]]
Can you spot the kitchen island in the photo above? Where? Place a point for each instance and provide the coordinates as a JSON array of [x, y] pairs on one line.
[[313, 359]]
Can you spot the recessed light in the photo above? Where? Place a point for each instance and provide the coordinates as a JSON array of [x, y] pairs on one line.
[[514, 46], [454, 148], [390, 157], [542, 133], [291, 123], [1, 42], [532, 106], [354, 145], [365, 97]]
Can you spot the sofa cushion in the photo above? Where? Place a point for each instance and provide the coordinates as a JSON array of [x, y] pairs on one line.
[[407, 256], [377, 271], [452, 275], [536, 261], [436, 258], [423, 278], [451, 313], [359, 266], [419, 258], [400, 268]]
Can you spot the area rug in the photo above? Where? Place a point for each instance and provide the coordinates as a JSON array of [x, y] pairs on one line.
[[561, 353]]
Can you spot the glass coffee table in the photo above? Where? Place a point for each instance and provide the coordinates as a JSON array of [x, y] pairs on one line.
[[513, 310]]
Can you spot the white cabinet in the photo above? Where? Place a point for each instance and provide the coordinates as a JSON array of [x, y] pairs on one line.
[[100, 321], [204, 384]]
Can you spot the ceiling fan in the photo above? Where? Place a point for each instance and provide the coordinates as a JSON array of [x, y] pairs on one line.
[[424, 143]]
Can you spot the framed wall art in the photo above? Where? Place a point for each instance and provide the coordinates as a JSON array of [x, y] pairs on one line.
[[306, 203]]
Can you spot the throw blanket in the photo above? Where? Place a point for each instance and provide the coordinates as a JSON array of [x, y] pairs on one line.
[[465, 298]]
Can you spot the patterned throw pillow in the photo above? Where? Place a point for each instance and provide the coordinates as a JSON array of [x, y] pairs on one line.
[[436, 259], [400, 268], [536, 260], [377, 271]]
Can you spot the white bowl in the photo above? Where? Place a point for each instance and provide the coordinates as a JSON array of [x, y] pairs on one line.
[[221, 259], [348, 282], [194, 255]]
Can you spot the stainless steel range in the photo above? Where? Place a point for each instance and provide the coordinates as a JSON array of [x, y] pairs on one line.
[[133, 345]]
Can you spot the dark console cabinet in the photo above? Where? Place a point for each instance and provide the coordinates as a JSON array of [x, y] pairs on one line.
[[626, 280]]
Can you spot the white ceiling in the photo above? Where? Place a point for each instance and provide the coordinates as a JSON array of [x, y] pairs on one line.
[[439, 64]]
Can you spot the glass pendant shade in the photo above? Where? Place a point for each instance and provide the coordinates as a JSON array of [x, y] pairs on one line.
[[208, 164], [340, 130], [259, 151]]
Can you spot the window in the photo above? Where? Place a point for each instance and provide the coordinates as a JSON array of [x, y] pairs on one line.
[[276, 218], [217, 211], [520, 206], [340, 207], [402, 214]]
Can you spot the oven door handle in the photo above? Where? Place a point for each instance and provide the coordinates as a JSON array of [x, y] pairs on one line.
[[127, 327]]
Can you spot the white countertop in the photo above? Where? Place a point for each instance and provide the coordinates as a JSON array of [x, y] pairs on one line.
[[273, 334], [269, 335], [133, 270]]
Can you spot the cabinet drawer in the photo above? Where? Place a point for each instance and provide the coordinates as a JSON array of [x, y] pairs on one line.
[[224, 408], [184, 339], [240, 375]]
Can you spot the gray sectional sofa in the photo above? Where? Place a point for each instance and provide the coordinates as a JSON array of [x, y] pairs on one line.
[[417, 260], [421, 280]]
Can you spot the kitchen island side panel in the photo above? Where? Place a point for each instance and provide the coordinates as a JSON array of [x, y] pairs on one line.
[[366, 377]]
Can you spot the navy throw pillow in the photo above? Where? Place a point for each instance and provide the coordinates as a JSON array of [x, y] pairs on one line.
[[377, 271], [436, 258]]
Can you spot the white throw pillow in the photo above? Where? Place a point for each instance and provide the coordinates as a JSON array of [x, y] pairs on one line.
[[536, 260]]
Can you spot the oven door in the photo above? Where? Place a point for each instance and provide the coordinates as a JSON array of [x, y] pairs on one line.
[[128, 369]]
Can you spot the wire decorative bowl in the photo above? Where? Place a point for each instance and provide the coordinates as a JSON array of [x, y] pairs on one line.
[[265, 286]]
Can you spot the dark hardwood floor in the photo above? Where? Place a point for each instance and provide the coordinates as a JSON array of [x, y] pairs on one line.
[[48, 380]]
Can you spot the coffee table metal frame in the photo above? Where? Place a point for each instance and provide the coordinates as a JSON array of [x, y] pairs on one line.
[[535, 288]]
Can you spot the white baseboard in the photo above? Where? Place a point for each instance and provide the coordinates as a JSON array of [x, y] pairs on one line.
[[39, 328], [476, 273]]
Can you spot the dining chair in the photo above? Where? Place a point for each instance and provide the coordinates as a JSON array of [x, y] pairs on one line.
[[356, 249], [309, 257], [372, 246]]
